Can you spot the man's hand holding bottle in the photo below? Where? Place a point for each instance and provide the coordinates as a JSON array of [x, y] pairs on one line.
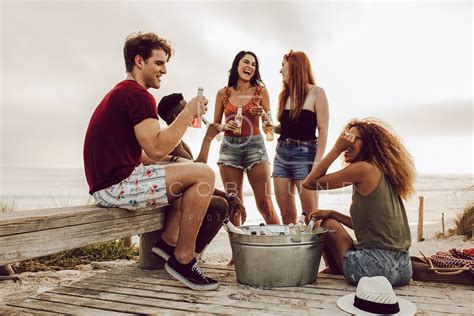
[[197, 106]]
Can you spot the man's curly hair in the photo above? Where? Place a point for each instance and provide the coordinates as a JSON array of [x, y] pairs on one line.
[[382, 146]]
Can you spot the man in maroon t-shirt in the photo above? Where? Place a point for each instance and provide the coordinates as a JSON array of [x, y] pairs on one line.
[[125, 148]]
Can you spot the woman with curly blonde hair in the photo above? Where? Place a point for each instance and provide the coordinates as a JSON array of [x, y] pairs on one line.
[[382, 172]]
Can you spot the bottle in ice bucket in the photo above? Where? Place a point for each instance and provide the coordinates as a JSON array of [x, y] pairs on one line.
[[238, 119], [269, 127], [197, 120], [310, 226], [291, 226], [300, 225], [228, 226], [264, 230]]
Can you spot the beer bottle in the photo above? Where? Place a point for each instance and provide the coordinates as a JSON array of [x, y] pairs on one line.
[[238, 119], [291, 226], [310, 226], [269, 127], [229, 227], [196, 122], [300, 225]]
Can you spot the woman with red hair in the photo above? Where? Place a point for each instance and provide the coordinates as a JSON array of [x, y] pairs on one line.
[[302, 109]]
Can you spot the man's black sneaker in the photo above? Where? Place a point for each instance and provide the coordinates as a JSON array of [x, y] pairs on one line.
[[190, 274], [162, 249]]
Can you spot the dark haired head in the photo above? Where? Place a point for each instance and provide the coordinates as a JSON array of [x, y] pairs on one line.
[[143, 44], [168, 104], [234, 74]]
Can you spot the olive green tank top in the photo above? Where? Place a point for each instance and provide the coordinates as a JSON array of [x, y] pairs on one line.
[[380, 220]]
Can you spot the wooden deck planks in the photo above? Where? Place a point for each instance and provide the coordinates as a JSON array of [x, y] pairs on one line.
[[131, 290], [38, 306], [11, 310], [429, 296], [227, 296]]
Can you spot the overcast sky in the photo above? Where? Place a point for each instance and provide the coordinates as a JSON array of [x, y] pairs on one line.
[[409, 63]]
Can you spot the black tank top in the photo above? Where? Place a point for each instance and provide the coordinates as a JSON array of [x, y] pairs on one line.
[[304, 128]]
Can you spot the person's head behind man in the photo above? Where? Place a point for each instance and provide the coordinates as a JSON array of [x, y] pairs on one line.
[[146, 55], [170, 106]]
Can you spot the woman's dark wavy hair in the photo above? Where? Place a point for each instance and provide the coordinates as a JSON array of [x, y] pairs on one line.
[[256, 80], [382, 146]]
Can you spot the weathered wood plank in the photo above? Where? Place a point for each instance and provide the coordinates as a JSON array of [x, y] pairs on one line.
[[450, 299], [28, 221], [149, 260], [225, 296], [172, 285], [37, 306], [14, 248], [183, 306], [417, 292], [101, 305], [133, 290], [328, 297], [227, 277], [323, 298], [11, 310], [413, 288]]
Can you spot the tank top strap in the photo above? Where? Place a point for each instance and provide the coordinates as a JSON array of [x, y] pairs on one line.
[[226, 95], [225, 102]]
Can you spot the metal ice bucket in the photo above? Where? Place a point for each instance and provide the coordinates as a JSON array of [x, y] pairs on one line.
[[276, 260]]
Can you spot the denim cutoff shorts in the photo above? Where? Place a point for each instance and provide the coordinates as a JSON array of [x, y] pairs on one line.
[[242, 152], [294, 159], [394, 265]]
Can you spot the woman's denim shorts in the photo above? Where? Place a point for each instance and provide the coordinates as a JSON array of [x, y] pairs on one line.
[[394, 265], [294, 159], [242, 152]]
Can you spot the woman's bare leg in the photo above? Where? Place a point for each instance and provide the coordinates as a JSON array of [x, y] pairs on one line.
[[285, 192], [233, 179], [308, 198], [337, 244], [259, 178]]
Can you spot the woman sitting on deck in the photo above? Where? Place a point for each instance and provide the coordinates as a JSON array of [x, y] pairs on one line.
[[382, 172]]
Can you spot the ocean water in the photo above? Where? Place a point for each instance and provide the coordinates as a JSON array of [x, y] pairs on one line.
[[36, 188]]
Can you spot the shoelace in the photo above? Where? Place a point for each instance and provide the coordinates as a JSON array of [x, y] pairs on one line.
[[198, 270]]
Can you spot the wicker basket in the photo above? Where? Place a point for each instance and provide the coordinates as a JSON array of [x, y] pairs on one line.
[[423, 270]]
